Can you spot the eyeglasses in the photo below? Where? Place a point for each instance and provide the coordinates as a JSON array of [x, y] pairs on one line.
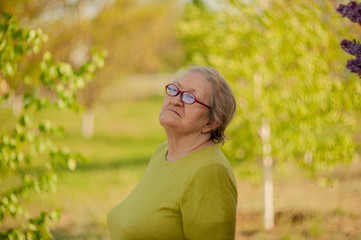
[[186, 97]]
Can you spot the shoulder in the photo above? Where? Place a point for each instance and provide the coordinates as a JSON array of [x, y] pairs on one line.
[[211, 158], [216, 173], [210, 166], [210, 177], [159, 151], [161, 148]]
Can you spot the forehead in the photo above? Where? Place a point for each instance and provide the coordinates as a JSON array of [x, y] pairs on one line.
[[194, 82]]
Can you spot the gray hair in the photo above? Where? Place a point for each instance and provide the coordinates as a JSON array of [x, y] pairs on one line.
[[223, 102]]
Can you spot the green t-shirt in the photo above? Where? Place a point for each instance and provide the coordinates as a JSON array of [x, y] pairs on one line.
[[194, 197]]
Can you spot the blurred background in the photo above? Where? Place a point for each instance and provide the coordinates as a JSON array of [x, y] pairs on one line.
[[297, 123]]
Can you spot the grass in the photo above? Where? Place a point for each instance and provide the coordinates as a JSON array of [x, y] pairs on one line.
[[125, 136], [304, 209], [127, 132]]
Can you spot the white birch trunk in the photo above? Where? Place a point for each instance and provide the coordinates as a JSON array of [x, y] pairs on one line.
[[267, 171], [265, 133], [17, 104], [87, 128]]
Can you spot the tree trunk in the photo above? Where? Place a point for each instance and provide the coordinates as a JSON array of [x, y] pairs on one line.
[[267, 179], [17, 104], [87, 128]]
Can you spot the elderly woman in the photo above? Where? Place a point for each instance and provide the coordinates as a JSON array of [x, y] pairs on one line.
[[188, 190]]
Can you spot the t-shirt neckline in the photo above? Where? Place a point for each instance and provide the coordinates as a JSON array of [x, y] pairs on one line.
[[186, 156]]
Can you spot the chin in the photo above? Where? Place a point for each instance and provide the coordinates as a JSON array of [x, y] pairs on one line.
[[166, 121]]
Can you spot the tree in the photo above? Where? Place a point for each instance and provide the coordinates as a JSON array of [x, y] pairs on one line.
[[138, 35], [27, 153], [295, 102], [25, 68], [140, 39]]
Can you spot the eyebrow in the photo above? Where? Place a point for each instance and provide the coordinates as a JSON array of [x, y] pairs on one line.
[[190, 89]]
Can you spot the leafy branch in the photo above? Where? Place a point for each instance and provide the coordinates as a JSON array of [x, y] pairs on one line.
[[27, 153]]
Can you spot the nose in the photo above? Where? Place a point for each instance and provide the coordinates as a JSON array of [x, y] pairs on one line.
[[176, 100]]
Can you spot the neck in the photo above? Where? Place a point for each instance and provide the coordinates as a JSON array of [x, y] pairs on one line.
[[180, 146]]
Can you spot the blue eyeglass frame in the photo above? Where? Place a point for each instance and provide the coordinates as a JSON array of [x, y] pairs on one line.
[[180, 92]]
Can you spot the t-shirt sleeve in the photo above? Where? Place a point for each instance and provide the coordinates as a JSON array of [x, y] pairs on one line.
[[208, 204]]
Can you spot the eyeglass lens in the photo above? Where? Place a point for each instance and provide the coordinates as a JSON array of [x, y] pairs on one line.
[[172, 90], [186, 97]]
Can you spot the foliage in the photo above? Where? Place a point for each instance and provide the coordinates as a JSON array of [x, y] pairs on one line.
[[353, 12], [138, 35], [284, 68], [23, 149]]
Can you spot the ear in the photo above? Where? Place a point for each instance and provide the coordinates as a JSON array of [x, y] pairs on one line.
[[210, 127]]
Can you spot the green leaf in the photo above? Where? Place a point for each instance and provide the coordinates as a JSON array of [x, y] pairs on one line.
[[54, 215], [71, 164], [9, 70]]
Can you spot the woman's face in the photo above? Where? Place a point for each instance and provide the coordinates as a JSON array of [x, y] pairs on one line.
[[183, 118]]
